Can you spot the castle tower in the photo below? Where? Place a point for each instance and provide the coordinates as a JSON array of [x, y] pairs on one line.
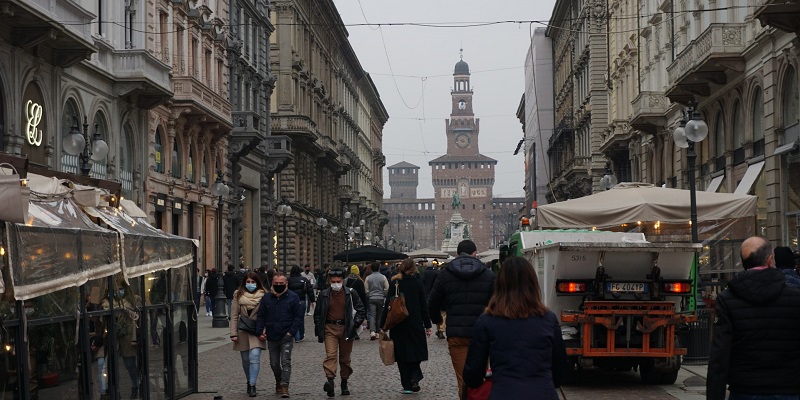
[[403, 180]]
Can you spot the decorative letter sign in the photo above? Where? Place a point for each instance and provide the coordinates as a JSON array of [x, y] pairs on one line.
[[33, 114]]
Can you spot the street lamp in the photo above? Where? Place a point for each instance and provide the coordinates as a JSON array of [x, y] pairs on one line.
[[685, 136], [77, 144], [219, 189], [361, 224], [609, 180], [284, 211], [322, 223]]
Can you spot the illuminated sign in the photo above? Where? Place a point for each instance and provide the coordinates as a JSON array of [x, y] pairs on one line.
[[33, 115]]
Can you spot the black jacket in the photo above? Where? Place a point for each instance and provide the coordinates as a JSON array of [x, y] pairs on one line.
[[351, 322], [756, 343], [463, 289], [358, 286], [428, 277], [302, 287], [231, 283], [211, 285], [410, 342]]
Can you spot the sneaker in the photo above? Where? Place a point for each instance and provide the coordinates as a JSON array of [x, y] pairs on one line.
[[440, 334], [406, 391], [308, 314]]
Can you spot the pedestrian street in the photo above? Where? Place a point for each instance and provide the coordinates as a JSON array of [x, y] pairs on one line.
[[220, 374]]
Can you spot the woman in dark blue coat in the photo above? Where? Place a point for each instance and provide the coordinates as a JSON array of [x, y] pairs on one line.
[[409, 336], [519, 337]]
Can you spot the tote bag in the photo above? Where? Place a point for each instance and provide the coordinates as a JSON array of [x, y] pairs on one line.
[[397, 309]]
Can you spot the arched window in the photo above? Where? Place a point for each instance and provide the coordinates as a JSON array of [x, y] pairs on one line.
[[719, 141], [790, 99], [126, 151], [758, 121], [176, 159], [738, 133], [69, 163], [159, 150], [99, 166], [190, 165]]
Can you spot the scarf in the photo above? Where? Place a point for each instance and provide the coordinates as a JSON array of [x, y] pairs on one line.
[[250, 300]]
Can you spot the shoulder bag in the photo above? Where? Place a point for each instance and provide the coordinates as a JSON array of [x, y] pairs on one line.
[[397, 312], [247, 324]]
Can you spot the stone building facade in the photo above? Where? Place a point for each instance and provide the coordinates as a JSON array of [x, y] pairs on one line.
[[739, 63], [326, 103], [580, 65], [420, 223]]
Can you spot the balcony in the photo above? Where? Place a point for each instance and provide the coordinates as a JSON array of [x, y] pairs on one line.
[[780, 14], [299, 127], [279, 153], [705, 61], [649, 109], [617, 140], [34, 25], [201, 100], [138, 73]]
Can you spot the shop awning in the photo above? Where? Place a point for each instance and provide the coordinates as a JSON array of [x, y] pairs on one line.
[[58, 247], [144, 249], [749, 178], [715, 183]]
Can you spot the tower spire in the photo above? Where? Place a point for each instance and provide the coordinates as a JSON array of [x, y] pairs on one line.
[[461, 52]]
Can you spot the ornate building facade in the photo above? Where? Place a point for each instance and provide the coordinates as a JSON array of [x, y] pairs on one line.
[[739, 63], [326, 103], [254, 155], [580, 66], [419, 223]]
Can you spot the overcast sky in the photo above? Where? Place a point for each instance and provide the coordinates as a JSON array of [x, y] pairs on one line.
[[495, 54]]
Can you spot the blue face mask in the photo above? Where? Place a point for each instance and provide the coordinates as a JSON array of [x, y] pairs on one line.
[[120, 293], [250, 287]]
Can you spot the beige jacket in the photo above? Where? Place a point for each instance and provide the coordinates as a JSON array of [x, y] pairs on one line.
[[239, 307]]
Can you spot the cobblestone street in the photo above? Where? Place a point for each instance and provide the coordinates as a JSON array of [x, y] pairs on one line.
[[221, 374]]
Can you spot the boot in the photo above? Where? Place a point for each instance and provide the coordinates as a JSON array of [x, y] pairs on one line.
[[284, 391], [328, 388], [345, 391], [278, 387], [251, 390]]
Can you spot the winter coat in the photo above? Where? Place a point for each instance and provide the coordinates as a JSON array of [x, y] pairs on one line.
[[386, 272], [756, 346], [246, 341], [428, 278], [792, 277], [357, 285], [410, 342], [302, 287], [351, 323], [527, 356], [376, 286], [231, 283], [462, 289], [211, 285], [280, 314]]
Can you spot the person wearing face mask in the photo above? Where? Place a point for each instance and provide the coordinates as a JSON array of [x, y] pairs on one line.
[[280, 317], [247, 303], [337, 316]]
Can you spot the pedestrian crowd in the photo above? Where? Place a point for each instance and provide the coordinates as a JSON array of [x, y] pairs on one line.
[[266, 310]]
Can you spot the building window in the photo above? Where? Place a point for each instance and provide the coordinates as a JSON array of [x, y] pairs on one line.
[[204, 171], [190, 165], [790, 99], [758, 120], [159, 150], [101, 126], [176, 159], [69, 163], [738, 133], [719, 141], [126, 149]]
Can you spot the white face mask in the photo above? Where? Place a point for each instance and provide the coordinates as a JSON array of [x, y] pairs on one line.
[[336, 286]]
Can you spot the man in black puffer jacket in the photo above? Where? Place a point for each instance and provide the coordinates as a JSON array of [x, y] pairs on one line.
[[462, 289], [756, 350]]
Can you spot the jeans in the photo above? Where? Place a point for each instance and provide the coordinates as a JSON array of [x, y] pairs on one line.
[[229, 302], [209, 304], [301, 333], [280, 359], [747, 396], [251, 363], [308, 307], [375, 314], [102, 375]]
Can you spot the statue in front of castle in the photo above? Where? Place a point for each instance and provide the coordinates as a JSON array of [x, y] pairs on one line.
[[456, 201]]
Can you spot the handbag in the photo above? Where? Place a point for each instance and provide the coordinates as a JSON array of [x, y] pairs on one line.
[[386, 348], [397, 309], [14, 196], [247, 324], [481, 392]]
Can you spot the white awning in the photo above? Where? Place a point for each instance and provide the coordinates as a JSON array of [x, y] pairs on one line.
[[715, 183], [750, 176], [785, 148]]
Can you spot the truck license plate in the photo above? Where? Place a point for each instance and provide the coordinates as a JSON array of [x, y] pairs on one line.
[[628, 287]]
